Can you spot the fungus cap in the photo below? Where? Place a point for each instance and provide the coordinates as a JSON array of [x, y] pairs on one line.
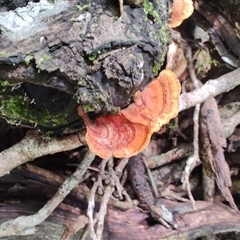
[[181, 10], [115, 136], [157, 103]]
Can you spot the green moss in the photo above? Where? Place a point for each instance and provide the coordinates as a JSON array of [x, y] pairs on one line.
[[92, 57], [41, 61], [88, 108], [162, 34], [49, 135], [204, 62], [81, 8], [4, 85], [95, 55], [173, 125], [18, 108], [28, 59], [149, 10], [157, 67], [46, 58], [3, 54]]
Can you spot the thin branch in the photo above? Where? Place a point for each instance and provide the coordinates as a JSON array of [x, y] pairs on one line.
[[151, 179], [196, 84], [103, 207], [90, 211], [19, 224], [119, 168], [35, 145], [183, 150], [193, 160], [91, 200], [210, 89], [80, 223], [103, 210]]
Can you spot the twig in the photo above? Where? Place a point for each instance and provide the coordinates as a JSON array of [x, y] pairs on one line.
[[80, 189], [120, 2], [194, 159], [50, 176], [181, 151], [116, 181], [142, 188], [91, 201], [151, 178], [124, 177], [17, 225], [34, 145], [196, 114], [85, 234], [119, 168], [90, 210], [121, 173], [80, 223], [101, 175], [103, 211], [103, 207], [113, 181], [211, 88]]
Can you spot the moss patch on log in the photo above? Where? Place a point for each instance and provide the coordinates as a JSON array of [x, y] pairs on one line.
[[159, 15], [19, 109]]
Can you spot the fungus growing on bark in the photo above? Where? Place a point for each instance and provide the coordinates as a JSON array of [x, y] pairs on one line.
[[181, 10], [114, 135], [157, 103], [128, 132]]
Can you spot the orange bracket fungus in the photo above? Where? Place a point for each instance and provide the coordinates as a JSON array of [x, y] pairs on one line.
[[157, 103], [128, 132], [181, 10], [114, 135]]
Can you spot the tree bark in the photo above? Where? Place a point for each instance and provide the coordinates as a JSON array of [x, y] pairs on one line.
[[55, 56]]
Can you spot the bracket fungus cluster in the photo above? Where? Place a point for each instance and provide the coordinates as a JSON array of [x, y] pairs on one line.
[[128, 132], [181, 10]]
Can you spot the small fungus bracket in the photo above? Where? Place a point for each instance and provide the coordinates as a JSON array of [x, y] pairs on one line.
[[157, 103], [181, 10], [115, 135]]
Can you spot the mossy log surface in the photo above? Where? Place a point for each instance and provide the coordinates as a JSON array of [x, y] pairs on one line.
[[55, 56]]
